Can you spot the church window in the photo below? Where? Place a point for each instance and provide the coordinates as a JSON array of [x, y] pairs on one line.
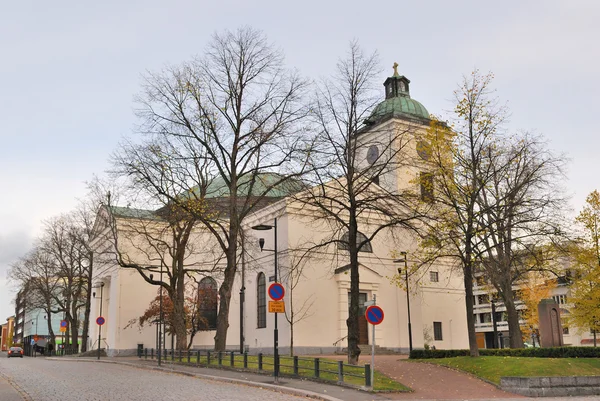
[[434, 277], [261, 302], [361, 240], [207, 304], [437, 331], [426, 181]]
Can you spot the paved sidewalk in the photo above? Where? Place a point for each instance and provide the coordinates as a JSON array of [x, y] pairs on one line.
[[432, 381], [305, 388]]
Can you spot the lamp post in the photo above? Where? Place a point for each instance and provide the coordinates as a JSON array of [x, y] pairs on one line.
[[410, 343], [100, 314], [159, 325], [261, 242]]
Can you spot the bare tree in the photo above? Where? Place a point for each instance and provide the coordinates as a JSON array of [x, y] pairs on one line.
[[225, 127], [37, 273], [522, 213], [64, 243], [354, 184]]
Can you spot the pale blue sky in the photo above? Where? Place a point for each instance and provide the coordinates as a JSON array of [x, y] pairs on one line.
[[69, 71]]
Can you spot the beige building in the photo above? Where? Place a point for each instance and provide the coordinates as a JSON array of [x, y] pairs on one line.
[[318, 294]]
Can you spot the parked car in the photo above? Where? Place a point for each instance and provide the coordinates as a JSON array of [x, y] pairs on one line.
[[15, 352]]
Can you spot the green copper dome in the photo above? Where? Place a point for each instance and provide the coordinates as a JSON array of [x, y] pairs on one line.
[[399, 106], [397, 102]]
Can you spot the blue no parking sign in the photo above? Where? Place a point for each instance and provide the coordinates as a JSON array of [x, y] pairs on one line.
[[374, 314], [276, 292]]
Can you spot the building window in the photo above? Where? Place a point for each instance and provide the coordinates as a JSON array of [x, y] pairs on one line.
[[361, 240], [560, 299], [261, 304], [426, 181], [485, 318], [434, 277], [437, 331], [207, 304], [483, 299]]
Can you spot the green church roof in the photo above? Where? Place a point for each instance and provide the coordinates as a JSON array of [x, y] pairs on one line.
[[399, 107], [264, 182]]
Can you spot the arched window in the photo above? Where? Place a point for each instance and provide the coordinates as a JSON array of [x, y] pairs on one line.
[[207, 304], [261, 302], [360, 239]]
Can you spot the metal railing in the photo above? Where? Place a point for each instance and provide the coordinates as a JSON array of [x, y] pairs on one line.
[[311, 368]]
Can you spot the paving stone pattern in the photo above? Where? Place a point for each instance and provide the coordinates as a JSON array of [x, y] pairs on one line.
[[45, 380]]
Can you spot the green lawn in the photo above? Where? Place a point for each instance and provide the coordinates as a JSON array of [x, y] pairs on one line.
[[494, 367], [327, 368]]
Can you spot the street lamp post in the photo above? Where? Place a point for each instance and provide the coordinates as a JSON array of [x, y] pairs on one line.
[[100, 314], [410, 343], [264, 227], [159, 329]]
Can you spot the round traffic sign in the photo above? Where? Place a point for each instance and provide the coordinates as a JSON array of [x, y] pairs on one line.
[[276, 292], [374, 314], [100, 321], [63, 323]]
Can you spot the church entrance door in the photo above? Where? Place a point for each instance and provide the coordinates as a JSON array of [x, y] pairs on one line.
[[363, 325]]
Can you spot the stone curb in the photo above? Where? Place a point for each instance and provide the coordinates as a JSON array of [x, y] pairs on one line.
[[273, 387]]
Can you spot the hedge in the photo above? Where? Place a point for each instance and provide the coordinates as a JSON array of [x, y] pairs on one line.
[[555, 352]]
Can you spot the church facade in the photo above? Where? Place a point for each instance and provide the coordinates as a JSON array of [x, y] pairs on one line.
[[317, 287]]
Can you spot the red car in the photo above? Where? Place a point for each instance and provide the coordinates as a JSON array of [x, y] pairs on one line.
[[15, 352]]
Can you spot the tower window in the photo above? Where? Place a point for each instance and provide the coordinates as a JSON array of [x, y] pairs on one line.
[[434, 277], [426, 181]]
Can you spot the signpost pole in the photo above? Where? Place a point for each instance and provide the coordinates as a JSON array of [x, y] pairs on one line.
[[373, 347], [275, 331]]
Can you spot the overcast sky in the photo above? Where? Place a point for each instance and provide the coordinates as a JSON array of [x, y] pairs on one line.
[[69, 71]]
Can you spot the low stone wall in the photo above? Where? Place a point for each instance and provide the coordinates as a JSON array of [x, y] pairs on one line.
[[552, 386]]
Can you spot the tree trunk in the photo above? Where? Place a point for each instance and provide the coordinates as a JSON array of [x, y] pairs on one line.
[[291, 298], [468, 281], [50, 331], [179, 324], [225, 298], [352, 322], [514, 328], [88, 306]]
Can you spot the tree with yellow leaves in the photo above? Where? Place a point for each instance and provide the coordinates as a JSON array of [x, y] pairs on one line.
[[585, 289]]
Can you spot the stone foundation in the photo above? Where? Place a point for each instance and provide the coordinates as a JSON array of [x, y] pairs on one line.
[[552, 386]]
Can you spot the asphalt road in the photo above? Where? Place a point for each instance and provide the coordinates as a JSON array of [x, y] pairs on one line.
[[38, 379]]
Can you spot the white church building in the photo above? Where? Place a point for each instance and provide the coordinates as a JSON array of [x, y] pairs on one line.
[[319, 293]]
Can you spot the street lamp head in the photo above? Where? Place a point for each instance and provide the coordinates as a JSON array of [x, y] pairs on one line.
[[261, 243], [262, 227], [102, 284]]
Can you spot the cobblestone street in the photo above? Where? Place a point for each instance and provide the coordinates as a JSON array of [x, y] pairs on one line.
[[38, 379]]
